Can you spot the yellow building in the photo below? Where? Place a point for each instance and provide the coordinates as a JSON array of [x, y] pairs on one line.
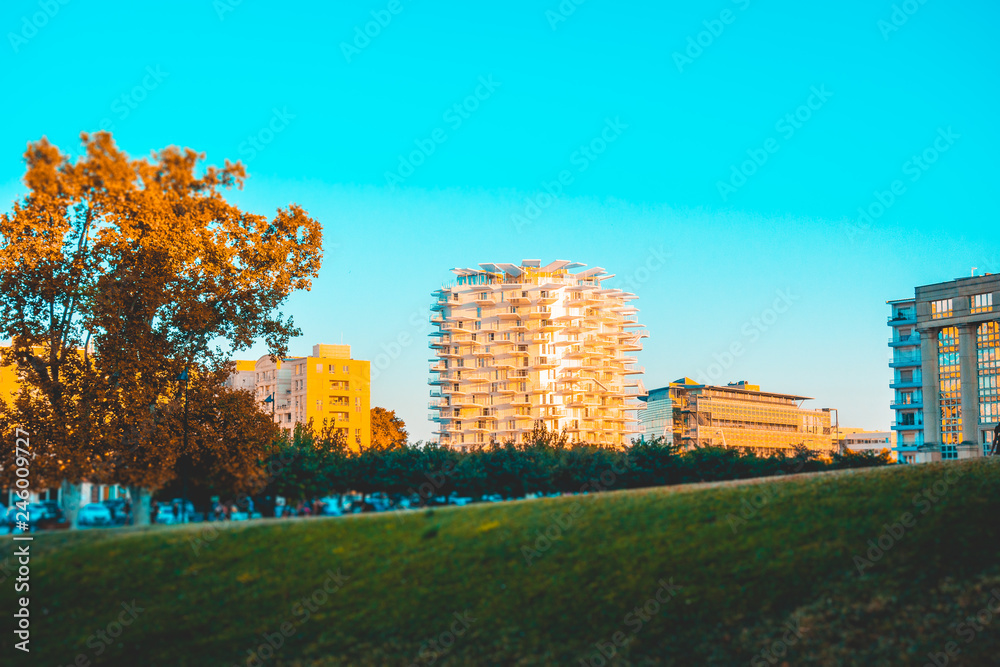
[[329, 388], [9, 385], [741, 415]]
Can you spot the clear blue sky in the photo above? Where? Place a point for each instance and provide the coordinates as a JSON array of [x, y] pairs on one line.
[[196, 74]]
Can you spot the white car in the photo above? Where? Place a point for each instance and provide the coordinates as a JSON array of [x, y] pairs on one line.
[[94, 514]]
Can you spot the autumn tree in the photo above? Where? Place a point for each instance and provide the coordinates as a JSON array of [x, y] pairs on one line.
[[387, 429], [121, 276]]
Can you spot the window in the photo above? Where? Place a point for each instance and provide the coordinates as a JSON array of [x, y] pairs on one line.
[[949, 452], [950, 387], [988, 361], [906, 376], [347, 369], [941, 308], [981, 303], [319, 368]]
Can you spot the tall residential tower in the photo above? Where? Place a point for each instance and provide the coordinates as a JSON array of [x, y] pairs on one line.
[[946, 361], [517, 345]]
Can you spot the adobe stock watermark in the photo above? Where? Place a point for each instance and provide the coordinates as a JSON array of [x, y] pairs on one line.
[[787, 126], [776, 652], [914, 168], [393, 350], [435, 648], [208, 531], [750, 333], [697, 43], [606, 651], [892, 533], [31, 24], [901, 13], [129, 101], [301, 610], [563, 521], [364, 34], [455, 116], [223, 7], [101, 641], [753, 503], [562, 12], [656, 259], [257, 142], [582, 158], [967, 631]]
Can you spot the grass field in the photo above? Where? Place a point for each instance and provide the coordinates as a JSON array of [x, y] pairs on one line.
[[755, 573]]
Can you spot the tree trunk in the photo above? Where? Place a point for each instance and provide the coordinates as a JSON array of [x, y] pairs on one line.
[[141, 500], [71, 503]]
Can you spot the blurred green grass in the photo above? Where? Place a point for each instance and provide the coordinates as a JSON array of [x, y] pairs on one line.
[[210, 597]]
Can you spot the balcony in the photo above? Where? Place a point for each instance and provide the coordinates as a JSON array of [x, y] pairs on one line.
[[902, 318], [542, 363], [904, 362], [915, 405], [908, 341], [907, 427], [907, 384]]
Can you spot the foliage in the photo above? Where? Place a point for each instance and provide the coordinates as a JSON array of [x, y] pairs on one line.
[[548, 463], [115, 275], [387, 428]]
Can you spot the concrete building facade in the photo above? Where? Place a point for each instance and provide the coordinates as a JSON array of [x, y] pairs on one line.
[[741, 415], [519, 345], [946, 362]]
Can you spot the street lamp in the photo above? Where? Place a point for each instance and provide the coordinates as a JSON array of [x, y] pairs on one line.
[[270, 399]]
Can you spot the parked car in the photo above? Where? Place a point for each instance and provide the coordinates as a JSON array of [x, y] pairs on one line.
[[94, 514], [40, 515], [11, 518], [165, 515], [330, 506], [117, 508]]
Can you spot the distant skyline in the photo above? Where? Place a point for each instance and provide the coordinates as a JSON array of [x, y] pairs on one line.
[[716, 156]]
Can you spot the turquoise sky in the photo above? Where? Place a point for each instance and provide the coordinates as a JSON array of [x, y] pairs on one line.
[[728, 145]]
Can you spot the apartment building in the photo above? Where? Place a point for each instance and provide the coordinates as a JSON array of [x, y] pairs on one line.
[[244, 376], [521, 344], [657, 420], [945, 361], [741, 415], [328, 387]]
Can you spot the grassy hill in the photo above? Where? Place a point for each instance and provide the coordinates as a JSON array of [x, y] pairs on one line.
[[755, 573]]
